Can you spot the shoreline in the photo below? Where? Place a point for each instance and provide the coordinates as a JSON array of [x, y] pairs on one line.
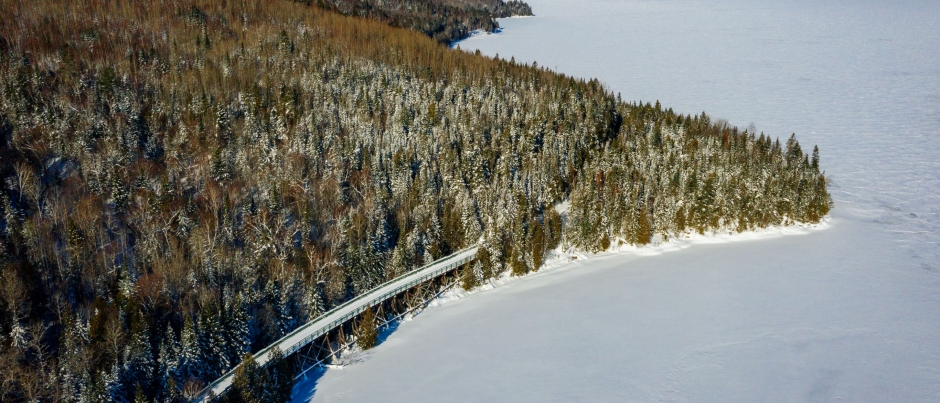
[[563, 258], [481, 33]]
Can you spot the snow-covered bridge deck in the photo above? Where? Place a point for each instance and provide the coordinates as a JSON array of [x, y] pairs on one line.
[[343, 313]]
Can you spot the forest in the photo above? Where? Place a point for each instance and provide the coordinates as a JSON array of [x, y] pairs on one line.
[[185, 181], [444, 20]]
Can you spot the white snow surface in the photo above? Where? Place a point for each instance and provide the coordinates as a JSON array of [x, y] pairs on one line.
[[845, 311]]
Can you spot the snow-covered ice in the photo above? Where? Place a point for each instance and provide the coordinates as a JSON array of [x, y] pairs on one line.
[[816, 317], [847, 311]]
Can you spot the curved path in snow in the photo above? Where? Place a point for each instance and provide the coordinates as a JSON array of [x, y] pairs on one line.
[[343, 313]]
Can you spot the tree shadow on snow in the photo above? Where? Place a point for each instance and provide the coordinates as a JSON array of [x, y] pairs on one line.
[[306, 387], [386, 331]]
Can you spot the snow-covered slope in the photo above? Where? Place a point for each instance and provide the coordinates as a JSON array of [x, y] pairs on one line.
[[850, 312]]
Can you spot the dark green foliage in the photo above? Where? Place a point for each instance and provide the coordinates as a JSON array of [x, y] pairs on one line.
[[643, 230], [507, 9], [139, 396], [537, 243], [249, 383], [281, 376], [551, 228], [517, 264], [444, 20], [490, 264], [253, 383], [471, 276], [368, 334]]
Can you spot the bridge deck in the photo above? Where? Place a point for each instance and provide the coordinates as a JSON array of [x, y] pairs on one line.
[[341, 314]]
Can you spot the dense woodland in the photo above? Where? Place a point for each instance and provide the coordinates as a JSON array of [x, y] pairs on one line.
[[185, 181], [444, 20]]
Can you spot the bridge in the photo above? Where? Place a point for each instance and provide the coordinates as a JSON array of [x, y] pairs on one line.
[[339, 315]]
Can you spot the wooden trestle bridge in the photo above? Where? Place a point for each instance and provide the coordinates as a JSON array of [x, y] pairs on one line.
[[330, 322]]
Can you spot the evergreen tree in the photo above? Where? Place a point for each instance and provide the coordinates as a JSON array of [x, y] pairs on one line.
[[168, 363], [139, 396], [471, 276], [112, 385], [537, 243], [96, 391], [235, 331], [139, 364], [552, 228], [517, 264], [484, 258], [217, 351], [367, 335], [248, 384], [281, 373], [189, 364], [643, 230]]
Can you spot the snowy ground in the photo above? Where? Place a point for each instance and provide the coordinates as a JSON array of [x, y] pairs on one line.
[[819, 316], [859, 78], [846, 312]]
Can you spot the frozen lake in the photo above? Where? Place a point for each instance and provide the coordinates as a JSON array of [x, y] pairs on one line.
[[848, 313]]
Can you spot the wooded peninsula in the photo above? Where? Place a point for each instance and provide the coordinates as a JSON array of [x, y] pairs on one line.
[[185, 181]]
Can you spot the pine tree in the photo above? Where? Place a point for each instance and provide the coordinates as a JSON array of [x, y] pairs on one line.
[[281, 316], [471, 276], [139, 396], [485, 258], [367, 335], [95, 392], [205, 330], [537, 243], [517, 264], [401, 259], [167, 365], [138, 360], [680, 219], [236, 331], [552, 228], [643, 227], [815, 161], [172, 393], [248, 384], [289, 310], [189, 364], [218, 349], [113, 386], [74, 363], [281, 373]]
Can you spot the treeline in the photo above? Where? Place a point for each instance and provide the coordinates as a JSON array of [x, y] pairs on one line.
[[446, 21], [657, 179], [186, 181]]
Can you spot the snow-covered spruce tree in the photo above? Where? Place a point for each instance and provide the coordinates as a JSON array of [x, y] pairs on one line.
[[190, 363], [280, 372], [249, 383], [253, 383], [471, 276], [235, 330], [367, 332]]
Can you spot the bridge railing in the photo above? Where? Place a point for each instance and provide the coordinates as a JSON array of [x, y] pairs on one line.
[[371, 300]]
